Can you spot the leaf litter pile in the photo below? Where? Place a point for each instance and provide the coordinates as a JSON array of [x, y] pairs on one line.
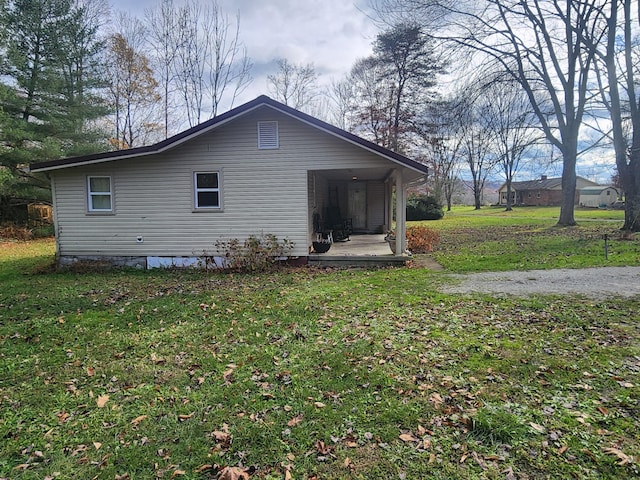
[[306, 374]]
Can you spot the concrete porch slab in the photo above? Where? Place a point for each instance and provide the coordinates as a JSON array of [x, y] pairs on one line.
[[359, 251]]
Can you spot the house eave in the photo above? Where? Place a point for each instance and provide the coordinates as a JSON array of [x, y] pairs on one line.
[[221, 120]]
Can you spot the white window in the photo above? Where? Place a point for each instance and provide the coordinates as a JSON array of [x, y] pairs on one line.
[[100, 194], [268, 135], [207, 190]]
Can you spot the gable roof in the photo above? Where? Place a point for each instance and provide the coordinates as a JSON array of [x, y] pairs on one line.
[[547, 184], [223, 119], [597, 190], [539, 184]]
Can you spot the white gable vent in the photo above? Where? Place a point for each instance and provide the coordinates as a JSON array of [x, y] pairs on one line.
[[268, 135]]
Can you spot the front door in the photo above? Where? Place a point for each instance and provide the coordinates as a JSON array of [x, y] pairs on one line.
[[357, 201]]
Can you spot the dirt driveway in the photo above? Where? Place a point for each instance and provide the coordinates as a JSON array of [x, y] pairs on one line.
[[590, 282]]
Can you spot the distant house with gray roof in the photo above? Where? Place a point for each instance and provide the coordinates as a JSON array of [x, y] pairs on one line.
[[541, 192]]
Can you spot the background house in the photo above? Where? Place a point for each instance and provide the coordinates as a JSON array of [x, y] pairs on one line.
[[541, 192], [262, 167]]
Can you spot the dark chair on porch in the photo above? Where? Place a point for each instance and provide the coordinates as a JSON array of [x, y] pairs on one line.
[[341, 227]]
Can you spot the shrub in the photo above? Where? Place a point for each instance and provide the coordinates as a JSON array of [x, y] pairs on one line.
[[423, 207], [421, 239], [13, 232], [256, 254]]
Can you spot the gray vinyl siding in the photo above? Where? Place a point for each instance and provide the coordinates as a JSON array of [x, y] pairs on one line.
[[262, 191], [375, 206]]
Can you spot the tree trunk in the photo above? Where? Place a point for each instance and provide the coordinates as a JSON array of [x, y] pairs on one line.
[[630, 177], [509, 203], [567, 207]]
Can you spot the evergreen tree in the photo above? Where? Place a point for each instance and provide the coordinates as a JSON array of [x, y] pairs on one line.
[[393, 87], [48, 95]]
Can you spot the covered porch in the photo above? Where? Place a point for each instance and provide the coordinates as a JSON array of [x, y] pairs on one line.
[[361, 250], [353, 209]]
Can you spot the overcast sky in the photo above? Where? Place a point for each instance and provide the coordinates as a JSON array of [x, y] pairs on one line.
[[331, 34]]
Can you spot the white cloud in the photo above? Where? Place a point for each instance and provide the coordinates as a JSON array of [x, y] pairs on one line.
[[331, 34]]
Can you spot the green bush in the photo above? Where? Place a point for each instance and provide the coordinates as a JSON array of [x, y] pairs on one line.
[[423, 207]]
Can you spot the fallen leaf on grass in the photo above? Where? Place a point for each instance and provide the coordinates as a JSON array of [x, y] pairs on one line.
[[221, 437], [436, 399], [408, 437], [203, 468], [157, 360], [62, 417], [319, 404], [537, 427], [91, 371], [228, 374], [233, 473], [323, 448], [139, 419], [184, 417], [102, 400], [624, 458], [509, 475], [295, 420]]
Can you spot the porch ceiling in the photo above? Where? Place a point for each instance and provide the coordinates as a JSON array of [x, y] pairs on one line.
[[360, 174], [365, 174]]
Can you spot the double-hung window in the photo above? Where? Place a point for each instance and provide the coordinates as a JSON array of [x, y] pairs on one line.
[[207, 190], [100, 194]]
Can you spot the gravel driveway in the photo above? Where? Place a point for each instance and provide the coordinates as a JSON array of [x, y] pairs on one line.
[[590, 282]]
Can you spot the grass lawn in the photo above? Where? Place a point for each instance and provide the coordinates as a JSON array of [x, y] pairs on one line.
[[311, 374], [492, 239]]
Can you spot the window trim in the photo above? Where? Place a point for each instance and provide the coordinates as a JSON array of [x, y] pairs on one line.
[[269, 139], [196, 190], [91, 194]]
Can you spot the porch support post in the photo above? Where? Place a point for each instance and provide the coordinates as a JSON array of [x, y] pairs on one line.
[[389, 205], [401, 209]]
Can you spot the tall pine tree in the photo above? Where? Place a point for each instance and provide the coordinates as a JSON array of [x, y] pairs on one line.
[[50, 72]]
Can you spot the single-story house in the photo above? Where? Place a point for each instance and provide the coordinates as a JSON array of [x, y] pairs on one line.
[[541, 192], [260, 168], [601, 196]]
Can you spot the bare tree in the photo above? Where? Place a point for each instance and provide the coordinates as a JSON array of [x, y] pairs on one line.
[[190, 62], [294, 85], [512, 123], [228, 64], [163, 40], [210, 65], [619, 93], [340, 96], [478, 140], [444, 142], [133, 87], [540, 44]]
